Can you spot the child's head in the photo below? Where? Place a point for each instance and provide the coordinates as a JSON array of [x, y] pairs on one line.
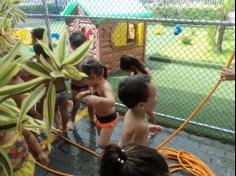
[[76, 40], [37, 34], [94, 69], [131, 64], [132, 160], [138, 91]]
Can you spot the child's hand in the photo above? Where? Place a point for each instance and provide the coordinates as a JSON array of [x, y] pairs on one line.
[[83, 94], [155, 129], [228, 74], [43, 158]]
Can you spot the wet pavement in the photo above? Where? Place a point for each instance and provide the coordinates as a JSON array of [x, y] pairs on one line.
[[66, 158]]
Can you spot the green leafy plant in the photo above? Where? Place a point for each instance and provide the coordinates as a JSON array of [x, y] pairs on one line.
[[9, 12], [61, 66]]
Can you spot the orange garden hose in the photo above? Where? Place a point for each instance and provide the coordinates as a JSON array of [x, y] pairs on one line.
[[52, 170], [187, 161]]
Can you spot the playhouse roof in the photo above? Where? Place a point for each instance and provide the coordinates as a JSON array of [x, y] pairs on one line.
[[110, 8]]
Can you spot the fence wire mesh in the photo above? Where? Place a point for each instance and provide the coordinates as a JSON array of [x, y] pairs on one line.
[[185, 43]]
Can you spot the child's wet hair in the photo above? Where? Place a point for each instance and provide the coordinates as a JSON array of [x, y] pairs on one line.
[[40, 51], [92, 66], [128, 62], [132, 160], [77, 39], [37, 33], [134, 90]]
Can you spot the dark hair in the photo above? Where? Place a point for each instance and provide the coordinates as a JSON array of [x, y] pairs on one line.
[[92, 66], [77, 39], [134, 90], [129, 62], [40, 51], [132, 160], [37, 33]]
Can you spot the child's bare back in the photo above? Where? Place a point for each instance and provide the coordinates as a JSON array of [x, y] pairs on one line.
[[135, 130]]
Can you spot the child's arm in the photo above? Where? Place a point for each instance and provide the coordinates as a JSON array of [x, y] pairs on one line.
[[92, 100], [35, 146]]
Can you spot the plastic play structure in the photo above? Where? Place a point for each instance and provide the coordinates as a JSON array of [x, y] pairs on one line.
[[178, 29], [159, 29], [24, 34]]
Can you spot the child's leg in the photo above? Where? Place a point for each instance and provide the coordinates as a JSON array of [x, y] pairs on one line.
[[91, 114], [64, 114], [105, 137], [57, 120], [39, 105], [76, 105]]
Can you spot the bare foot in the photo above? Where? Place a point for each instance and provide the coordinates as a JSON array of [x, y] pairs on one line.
[[70, 126]]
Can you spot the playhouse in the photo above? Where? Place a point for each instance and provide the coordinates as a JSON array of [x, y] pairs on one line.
[[113, 37]]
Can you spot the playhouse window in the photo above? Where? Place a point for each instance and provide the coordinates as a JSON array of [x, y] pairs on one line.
[[124, 34], [131, 33]]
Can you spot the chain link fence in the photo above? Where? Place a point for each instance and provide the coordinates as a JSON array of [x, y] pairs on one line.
[[185, 43]]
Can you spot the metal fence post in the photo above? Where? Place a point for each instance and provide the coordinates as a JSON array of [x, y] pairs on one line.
[[47, 20]]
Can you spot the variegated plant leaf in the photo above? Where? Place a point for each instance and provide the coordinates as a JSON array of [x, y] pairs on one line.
[[5, 163], [73, 73], [29, 102], [61, 48], [49, 107], [78, 55], [8, 72], [36, 69], [11, 55], [11, 90]]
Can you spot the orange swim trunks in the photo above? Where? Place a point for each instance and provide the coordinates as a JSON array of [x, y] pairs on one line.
[[106, 122]]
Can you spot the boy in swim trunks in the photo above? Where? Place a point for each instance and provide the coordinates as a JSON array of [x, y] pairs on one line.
[[140, 95]]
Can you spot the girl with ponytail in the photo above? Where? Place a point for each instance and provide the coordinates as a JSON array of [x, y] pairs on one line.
[[133, 66], [101, 98], [132, 160]]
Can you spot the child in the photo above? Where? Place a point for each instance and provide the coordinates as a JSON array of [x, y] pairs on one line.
[[17, 149], [133, 66], [132, 160], [139, 94], [76, 40], [102, 100], [61, 92], [33, 144]]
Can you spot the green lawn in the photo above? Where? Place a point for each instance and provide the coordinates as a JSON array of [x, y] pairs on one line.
[[181, 90], [167, 45]]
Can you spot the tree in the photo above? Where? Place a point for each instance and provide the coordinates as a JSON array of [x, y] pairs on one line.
[[228, 6]]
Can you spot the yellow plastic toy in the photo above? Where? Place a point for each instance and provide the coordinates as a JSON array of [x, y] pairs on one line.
[[24, 35], [159, 29]]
